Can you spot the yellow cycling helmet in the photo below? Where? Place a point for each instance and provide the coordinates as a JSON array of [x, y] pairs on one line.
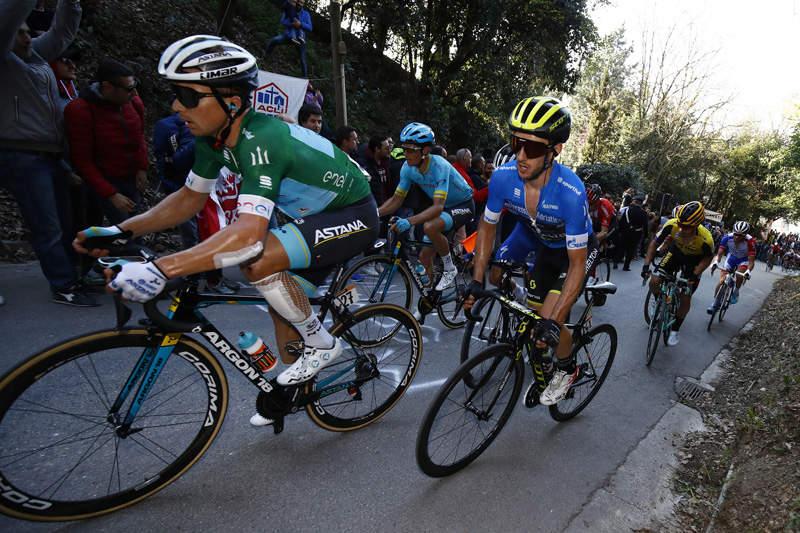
[[542, 116], [692, 214]]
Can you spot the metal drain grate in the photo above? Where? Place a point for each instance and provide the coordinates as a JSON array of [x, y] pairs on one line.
[[688, 390]]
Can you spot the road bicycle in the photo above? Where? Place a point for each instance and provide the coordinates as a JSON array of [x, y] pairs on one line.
[[474, 404], [390, 277], [722, 300], [101, 421], [664, 311], [601, 273]]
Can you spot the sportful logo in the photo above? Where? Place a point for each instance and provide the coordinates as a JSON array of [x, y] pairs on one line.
[[265, 182], [517, 193], [326, 234], [257, 157], [568, 186], [271, 99]]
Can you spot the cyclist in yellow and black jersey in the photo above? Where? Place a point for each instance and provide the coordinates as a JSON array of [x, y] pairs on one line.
[[689, 247]]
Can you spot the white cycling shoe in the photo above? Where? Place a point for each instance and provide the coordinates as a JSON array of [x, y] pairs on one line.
[[447, 279], [258, 421], [672, 340], [309, 364]]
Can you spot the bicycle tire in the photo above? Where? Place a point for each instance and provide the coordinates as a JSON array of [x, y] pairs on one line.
[[726, 301], [649, 305], [602, 273], [491, 330], [61, 457], [713, 314], [373, 271], [449, 307], [449, 423], [670, 313], [594, 356], [383, 338], [656, 327]]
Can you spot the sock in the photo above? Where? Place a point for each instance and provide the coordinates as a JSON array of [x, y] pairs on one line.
[[519, 292], [566, 365], [677, 325], [447, 262], [314, 334]]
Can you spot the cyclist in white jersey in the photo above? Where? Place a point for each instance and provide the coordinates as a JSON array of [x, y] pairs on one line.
[[740, 247]]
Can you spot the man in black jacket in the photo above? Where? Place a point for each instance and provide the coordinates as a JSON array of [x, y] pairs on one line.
[[633, 227]]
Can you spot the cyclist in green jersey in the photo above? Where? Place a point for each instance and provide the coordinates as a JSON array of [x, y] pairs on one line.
[[281, 165]]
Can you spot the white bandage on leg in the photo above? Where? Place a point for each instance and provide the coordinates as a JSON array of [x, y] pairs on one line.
[[237, 257], [285, 295]]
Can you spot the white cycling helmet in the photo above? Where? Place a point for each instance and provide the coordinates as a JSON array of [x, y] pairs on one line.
[[503, 156], [211, 61], [741, 227]]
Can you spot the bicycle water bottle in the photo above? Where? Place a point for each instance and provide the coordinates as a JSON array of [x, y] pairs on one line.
[[260, 355], [423, 275]]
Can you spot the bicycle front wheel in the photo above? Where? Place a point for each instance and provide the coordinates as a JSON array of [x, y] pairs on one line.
[[726, 301], [594, 355], [462, 421], [384, 343], [656, 327], [488, 332], [649, 306], [60, 455], [378, 281]]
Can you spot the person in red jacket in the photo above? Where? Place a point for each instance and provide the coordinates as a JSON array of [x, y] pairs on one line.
[[105, 128]]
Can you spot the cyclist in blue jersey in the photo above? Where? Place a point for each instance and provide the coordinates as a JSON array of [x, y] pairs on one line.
[[549, 201], [452, 198], [282, 166]]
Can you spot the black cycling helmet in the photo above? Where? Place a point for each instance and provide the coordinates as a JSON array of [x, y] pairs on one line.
[[691, 214], [741, 227], [542, 116], [593, 192]]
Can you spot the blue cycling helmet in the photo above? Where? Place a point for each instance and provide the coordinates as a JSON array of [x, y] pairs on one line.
[[417, 133]]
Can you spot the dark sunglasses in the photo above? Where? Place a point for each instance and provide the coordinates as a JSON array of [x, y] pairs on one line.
[[411, 149], [189, 98], [686, 226], [129, 88], [533, 149]]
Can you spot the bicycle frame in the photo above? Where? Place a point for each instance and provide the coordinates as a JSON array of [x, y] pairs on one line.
[[672, 287], [186, 307]]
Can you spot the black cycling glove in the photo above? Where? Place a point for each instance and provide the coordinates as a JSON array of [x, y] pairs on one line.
[[548, 331], [645, 271]]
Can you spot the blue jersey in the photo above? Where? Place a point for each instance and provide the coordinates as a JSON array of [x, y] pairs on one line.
[[440, 180], [562, 216]]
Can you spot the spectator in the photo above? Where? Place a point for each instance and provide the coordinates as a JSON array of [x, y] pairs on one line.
[[439, 150], [173, 145], [30, 139], [290, 11], [105, 127], [314, 97], [374, 158], [310, 117], [40, 19], [346, 139], [475, 171], [488, 170], [633, 226], [302, 22]]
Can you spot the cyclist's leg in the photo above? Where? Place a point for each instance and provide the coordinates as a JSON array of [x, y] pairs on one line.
[[451, 218], [516, 247], [547, 279]]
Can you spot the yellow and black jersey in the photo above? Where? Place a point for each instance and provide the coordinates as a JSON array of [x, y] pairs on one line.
[[701, 244]]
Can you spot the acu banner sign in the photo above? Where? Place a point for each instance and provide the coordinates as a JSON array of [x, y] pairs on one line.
[[279, 94]]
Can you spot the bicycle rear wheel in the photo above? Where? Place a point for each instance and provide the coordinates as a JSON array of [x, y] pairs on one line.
[[384, 342], [449, 308], [594, 355], [375, 282], [656, 327], [602, 273], [462, 421], [491, 330], [60, 455]]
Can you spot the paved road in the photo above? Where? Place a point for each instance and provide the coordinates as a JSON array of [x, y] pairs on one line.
[[537, 476]]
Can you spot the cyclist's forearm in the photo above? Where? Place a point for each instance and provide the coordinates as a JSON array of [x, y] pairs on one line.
[[651, 251], [703, 265], [240, 237], [176, 208], [390, 206]]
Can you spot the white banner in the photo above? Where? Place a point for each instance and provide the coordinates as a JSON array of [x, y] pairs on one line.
[[715, 217], [279, 94]]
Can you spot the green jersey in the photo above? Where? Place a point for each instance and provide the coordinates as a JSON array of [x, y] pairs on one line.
[[282, 165]]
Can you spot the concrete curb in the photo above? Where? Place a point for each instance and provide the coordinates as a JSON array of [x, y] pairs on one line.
[[639, 494]]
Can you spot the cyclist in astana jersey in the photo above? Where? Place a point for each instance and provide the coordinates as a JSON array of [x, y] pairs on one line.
[[690, 248], [452, 198], [281, 166], [740, 248], [549, 201]]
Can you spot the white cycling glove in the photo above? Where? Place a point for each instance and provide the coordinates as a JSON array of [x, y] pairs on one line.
[[714, 265], [139, 282], [746, 274]]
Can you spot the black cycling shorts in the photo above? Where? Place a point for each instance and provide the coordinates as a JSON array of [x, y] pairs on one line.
[[675, 260], [549, 270]]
